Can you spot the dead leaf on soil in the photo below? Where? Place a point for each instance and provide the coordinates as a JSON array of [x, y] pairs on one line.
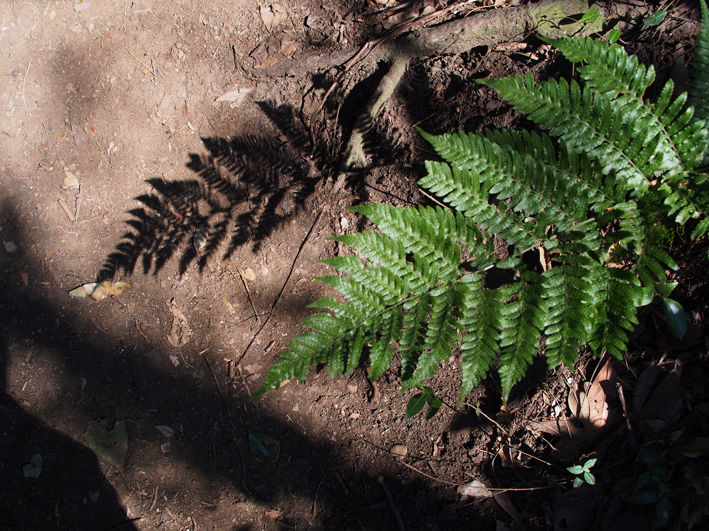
[[180, 333], [248, 274], [503, 501], [273, 15], [658, 397], [234, 97], [228, 305], [560, 427], [111, 445], [474, 489], [591, 406], [100, 290], [70, 180], [263, 447]]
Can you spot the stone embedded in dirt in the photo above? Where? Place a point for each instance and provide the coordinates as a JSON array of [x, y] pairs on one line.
[[10, 247], [399, 450], [33, 469]]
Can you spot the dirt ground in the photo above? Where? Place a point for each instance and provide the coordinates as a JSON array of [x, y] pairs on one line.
[[161, 143]]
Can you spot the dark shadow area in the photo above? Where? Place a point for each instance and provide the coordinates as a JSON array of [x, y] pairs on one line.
[[47, 480], [124, 383]]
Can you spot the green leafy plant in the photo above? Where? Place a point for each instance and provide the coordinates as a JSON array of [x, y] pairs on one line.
[[419, 400], [583, 473], [581, 214]]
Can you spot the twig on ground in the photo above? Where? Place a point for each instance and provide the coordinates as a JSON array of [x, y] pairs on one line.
[[248, 292], [155, 499], [140, 331], [231, 420], [453, 483], [65, 208], [392, 505], [24, 84], [317, 491], [283, 287]]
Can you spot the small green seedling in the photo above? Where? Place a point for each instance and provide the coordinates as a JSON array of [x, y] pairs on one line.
[[655, 19], [583, 472], [418, 401]]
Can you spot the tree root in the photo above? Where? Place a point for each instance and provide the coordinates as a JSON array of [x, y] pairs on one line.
[[550, 18]]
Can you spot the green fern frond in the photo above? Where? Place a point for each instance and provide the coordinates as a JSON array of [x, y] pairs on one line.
[[522, 322], [480, 318], [588, 197], [700, 69]]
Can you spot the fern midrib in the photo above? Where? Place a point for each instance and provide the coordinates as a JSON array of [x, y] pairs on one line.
[[543, 102], [666, 140]]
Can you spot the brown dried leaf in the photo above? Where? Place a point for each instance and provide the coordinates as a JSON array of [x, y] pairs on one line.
[[180, 333], [273, 15], [596, 398], [591, 406]]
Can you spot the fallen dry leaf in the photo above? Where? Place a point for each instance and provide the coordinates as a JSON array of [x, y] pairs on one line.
[[504, 502], [591, 406], [234, 97], [248, 274], [70, 180], [180, 333], [100, 290], [474, 489], [272, 15]]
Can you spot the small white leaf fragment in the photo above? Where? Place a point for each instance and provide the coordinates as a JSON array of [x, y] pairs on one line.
[[474, 489], [167, 431], [174, 360], [33, 469], [234, 97]]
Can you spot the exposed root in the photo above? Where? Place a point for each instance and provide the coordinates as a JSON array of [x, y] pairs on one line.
[[551, 18]]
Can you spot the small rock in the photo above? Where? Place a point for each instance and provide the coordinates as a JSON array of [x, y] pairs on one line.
[[314, 22], [33, 469], [10, 247], [399, 450]]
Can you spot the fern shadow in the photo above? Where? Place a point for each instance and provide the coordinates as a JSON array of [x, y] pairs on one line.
[[245, 188]]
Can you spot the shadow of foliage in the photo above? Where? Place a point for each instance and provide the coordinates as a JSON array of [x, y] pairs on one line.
[[245, 188]]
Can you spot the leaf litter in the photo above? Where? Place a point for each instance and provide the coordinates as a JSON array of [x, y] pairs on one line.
[[111, 445], [100, 290]]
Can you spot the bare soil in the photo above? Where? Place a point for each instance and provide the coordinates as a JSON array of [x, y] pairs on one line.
[[119, 161]]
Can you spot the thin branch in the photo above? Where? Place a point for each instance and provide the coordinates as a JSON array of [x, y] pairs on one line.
[[283, 287]]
